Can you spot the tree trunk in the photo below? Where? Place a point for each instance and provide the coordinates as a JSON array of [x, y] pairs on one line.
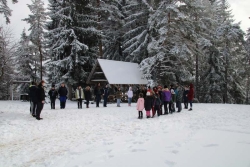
[[41, 63], [99, 28], [69, 91]]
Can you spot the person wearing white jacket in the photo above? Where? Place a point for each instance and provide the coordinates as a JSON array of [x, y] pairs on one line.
[[130, 96], [79, 96]]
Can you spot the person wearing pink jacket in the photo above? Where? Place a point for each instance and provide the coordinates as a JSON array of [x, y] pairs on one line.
[[140, 105]]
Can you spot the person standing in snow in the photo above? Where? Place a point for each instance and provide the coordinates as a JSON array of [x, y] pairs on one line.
[[179, 94], [156, 104], [87, 95], [105, 95], [97, 93], [191, 96], [63, 91], [172, 101], [160, 96], [130, 96], [118, 96], [53, 95], [148, 104], [33, 98], [140, 106], [40, 99], [185, 97], [144, 92], [166, 97], [79, 96]]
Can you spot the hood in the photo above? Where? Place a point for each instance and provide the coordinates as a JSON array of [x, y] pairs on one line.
[[191, 85]]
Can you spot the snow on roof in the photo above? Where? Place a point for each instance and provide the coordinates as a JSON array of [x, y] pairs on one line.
[[119, 72]]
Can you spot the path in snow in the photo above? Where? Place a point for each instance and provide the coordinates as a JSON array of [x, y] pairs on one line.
[[210, 135]]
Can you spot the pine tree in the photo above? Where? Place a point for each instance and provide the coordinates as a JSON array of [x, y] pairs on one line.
[[26, 60], [37, 21], [75, 37], [5, 10], [111, 23], [137, 36]]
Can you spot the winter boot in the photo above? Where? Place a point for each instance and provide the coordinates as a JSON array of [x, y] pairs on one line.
[[190, 109]]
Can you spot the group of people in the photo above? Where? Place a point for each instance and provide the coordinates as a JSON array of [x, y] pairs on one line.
[[37, 97], [165, 98]]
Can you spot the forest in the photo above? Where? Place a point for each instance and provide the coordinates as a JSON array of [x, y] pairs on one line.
[[173, 41]]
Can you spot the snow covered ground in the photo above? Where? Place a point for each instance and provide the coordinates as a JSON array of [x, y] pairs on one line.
[[212, 135]]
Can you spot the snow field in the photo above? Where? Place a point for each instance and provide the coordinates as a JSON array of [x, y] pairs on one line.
[[215, 135]]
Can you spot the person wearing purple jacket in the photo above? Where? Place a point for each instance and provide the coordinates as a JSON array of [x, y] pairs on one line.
[[166, 97]]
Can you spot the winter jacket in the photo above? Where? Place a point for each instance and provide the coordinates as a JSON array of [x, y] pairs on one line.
[[32, 93], [118, 94], [63, 91], [179, 94], [140, 104], [105, 92], [157, 101], [79, 94], [173, 97], [130, 93], [191, 93], [166, 95], [148, 104], [185, 95], [97, 91], [53, 94], [160, 94], [87, 94], [40, 93]]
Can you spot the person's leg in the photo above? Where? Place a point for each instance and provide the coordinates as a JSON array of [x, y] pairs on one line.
[[141, 114], [191, 104], [39, 110], [31, 107], [104, 101], [34, 109], [97, 101], [87, 103], [80, 103]]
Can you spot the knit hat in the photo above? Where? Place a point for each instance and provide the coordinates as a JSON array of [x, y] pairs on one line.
[[148, 93]]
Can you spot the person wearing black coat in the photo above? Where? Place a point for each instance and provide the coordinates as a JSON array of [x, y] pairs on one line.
[[98, 94], [185, 97], [105, 95], [87, 95], [33, 98], [53, 95], [148, 104], [63, 91], [41, 99]]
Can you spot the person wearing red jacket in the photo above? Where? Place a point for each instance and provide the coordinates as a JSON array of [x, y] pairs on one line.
[[191, 96]]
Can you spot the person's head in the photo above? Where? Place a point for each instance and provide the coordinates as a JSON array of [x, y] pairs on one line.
[[79, 87], [159, 87], [107, 85], [165, 86], [130, 88], [148, 94], [171, 86], [191, 85], [149, 87], [62, 85], [87, 88], [33, 83], [119, 88], [99, 84], [53, 87], [141, 95], [42, 83]]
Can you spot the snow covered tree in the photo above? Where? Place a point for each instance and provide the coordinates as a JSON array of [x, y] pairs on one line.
[[173, 42], [111, 23], [37, 21], [247, 67], [137, 34], [75, 36], [225, 69], [7, 49], [26, 60], [5, 10]]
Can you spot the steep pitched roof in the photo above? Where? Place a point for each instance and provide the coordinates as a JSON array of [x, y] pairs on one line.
[[116, 72]]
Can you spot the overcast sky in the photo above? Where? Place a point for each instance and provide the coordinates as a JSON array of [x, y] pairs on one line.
[[21, 11]]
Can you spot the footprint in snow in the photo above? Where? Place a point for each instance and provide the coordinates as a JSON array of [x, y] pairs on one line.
[[169, 163], [138, 150], [175, 151], [211, 145]]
